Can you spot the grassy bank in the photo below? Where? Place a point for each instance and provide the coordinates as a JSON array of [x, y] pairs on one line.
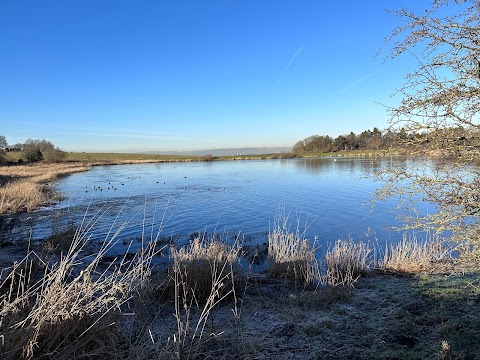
[[27, 187], [206, 304]]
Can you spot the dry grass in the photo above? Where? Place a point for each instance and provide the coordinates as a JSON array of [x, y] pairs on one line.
[[42, 172], [21, 195], [59, 242], [76, 306], [290, 255], [71, 309], [345, 262], [25, 187], [413, 256], [204, 272], [203, 263], [75, 309]]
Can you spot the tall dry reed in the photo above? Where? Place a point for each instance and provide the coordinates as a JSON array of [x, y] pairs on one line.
[[290, 255], [411, 255], [205, 272], [25, 186], [345, 262], [21, 195], [69, 309], [203, 261]]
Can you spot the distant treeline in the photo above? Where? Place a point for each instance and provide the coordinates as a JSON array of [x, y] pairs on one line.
[[367, 140], [447, 140]]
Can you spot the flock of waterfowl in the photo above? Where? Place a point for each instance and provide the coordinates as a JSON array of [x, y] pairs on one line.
[[114, 188]]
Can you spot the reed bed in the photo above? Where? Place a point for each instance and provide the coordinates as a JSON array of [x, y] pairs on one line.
[[42, 171], [21, 195], [26, 187]]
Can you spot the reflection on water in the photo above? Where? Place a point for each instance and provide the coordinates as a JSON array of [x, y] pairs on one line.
[[365, 165], [330, 197]]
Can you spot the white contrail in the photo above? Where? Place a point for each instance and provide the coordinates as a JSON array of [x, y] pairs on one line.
[[366, 77], [286, 67]]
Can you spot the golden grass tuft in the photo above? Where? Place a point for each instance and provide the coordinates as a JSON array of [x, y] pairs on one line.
[[202, 263], [413, 256], [345, 262], [21, 195], [290, 256], [204, 272]]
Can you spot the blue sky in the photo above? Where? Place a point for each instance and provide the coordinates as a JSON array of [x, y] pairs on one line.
[[97, 75]]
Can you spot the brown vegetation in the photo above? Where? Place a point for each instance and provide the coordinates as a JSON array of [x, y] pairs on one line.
[[79, 307], [412, 256], [345, 262], [27, 187], [290, 255]]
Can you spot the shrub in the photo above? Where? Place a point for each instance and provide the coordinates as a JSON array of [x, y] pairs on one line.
[[53, 155], [208, 157], [37, 150], [33, 155]]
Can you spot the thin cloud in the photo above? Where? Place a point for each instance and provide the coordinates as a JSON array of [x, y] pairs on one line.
[[125, 134], [288, 65]]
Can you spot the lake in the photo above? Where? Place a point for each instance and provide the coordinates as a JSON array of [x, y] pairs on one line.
[[328, 197]]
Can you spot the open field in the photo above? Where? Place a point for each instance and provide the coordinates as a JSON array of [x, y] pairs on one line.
[[120, 157]]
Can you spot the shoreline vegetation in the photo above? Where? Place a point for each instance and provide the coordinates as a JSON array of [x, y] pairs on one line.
[[29, 186], [211, 300]]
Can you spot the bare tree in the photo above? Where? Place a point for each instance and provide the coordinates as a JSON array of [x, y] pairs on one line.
[[441, 106], [37, 150]]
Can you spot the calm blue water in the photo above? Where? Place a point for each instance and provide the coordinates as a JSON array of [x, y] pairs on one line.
[[330, 197]]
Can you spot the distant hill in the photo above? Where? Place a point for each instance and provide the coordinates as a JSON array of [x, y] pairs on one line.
[[224, 152]]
